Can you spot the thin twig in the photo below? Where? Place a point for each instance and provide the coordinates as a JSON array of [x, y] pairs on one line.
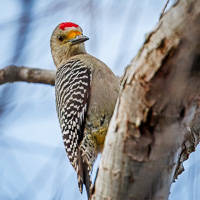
[[163, 10]]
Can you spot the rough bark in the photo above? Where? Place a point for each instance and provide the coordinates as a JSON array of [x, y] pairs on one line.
[[13, 73], [156, 122]]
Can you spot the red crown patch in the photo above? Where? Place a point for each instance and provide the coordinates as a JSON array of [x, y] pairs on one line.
[[66, 25]]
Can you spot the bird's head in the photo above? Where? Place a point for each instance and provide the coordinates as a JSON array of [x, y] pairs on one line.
[[66, 41]]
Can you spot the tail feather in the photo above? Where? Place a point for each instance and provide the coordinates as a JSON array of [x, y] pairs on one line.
[[83, 176]]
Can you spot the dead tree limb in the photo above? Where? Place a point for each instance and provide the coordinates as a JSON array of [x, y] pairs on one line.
[[13, 73], [156, 122]]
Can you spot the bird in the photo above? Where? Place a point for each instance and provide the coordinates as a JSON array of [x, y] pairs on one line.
[[86, 92]]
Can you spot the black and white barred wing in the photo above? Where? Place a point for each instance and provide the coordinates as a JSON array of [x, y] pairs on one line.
[[72, 98]]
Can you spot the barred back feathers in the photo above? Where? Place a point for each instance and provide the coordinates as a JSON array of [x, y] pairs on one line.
[[72, 99]]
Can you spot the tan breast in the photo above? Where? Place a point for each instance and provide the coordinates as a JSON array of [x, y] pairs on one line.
[[104, 91], [103, 94]]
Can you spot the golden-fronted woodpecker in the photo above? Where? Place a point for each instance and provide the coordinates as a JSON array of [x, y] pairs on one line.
[[86, 92]]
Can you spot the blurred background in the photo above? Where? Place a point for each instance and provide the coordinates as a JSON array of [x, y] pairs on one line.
[[33, 162]]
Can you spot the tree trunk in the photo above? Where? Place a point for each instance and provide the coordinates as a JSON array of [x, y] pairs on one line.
[[156, 122]]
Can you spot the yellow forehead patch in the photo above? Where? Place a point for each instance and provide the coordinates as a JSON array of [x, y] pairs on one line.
[[72, 34]]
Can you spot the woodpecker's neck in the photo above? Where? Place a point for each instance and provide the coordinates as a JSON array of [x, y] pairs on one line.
[[63, 54], [76, 49]]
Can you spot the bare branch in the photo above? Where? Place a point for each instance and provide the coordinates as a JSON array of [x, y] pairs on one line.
[[13, 73]]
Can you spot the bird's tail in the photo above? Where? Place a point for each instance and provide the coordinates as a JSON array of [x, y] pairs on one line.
[[83, 175]]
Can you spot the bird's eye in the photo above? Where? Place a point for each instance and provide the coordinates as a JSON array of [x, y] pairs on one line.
[[61, 37]]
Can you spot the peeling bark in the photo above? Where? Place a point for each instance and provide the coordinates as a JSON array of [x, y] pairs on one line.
[[156, 122], [13, 73]]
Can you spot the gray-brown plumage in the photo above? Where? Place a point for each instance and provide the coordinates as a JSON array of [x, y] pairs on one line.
[[86, 92]]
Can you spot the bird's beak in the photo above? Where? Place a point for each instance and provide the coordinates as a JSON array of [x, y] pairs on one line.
[[79, 39]]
